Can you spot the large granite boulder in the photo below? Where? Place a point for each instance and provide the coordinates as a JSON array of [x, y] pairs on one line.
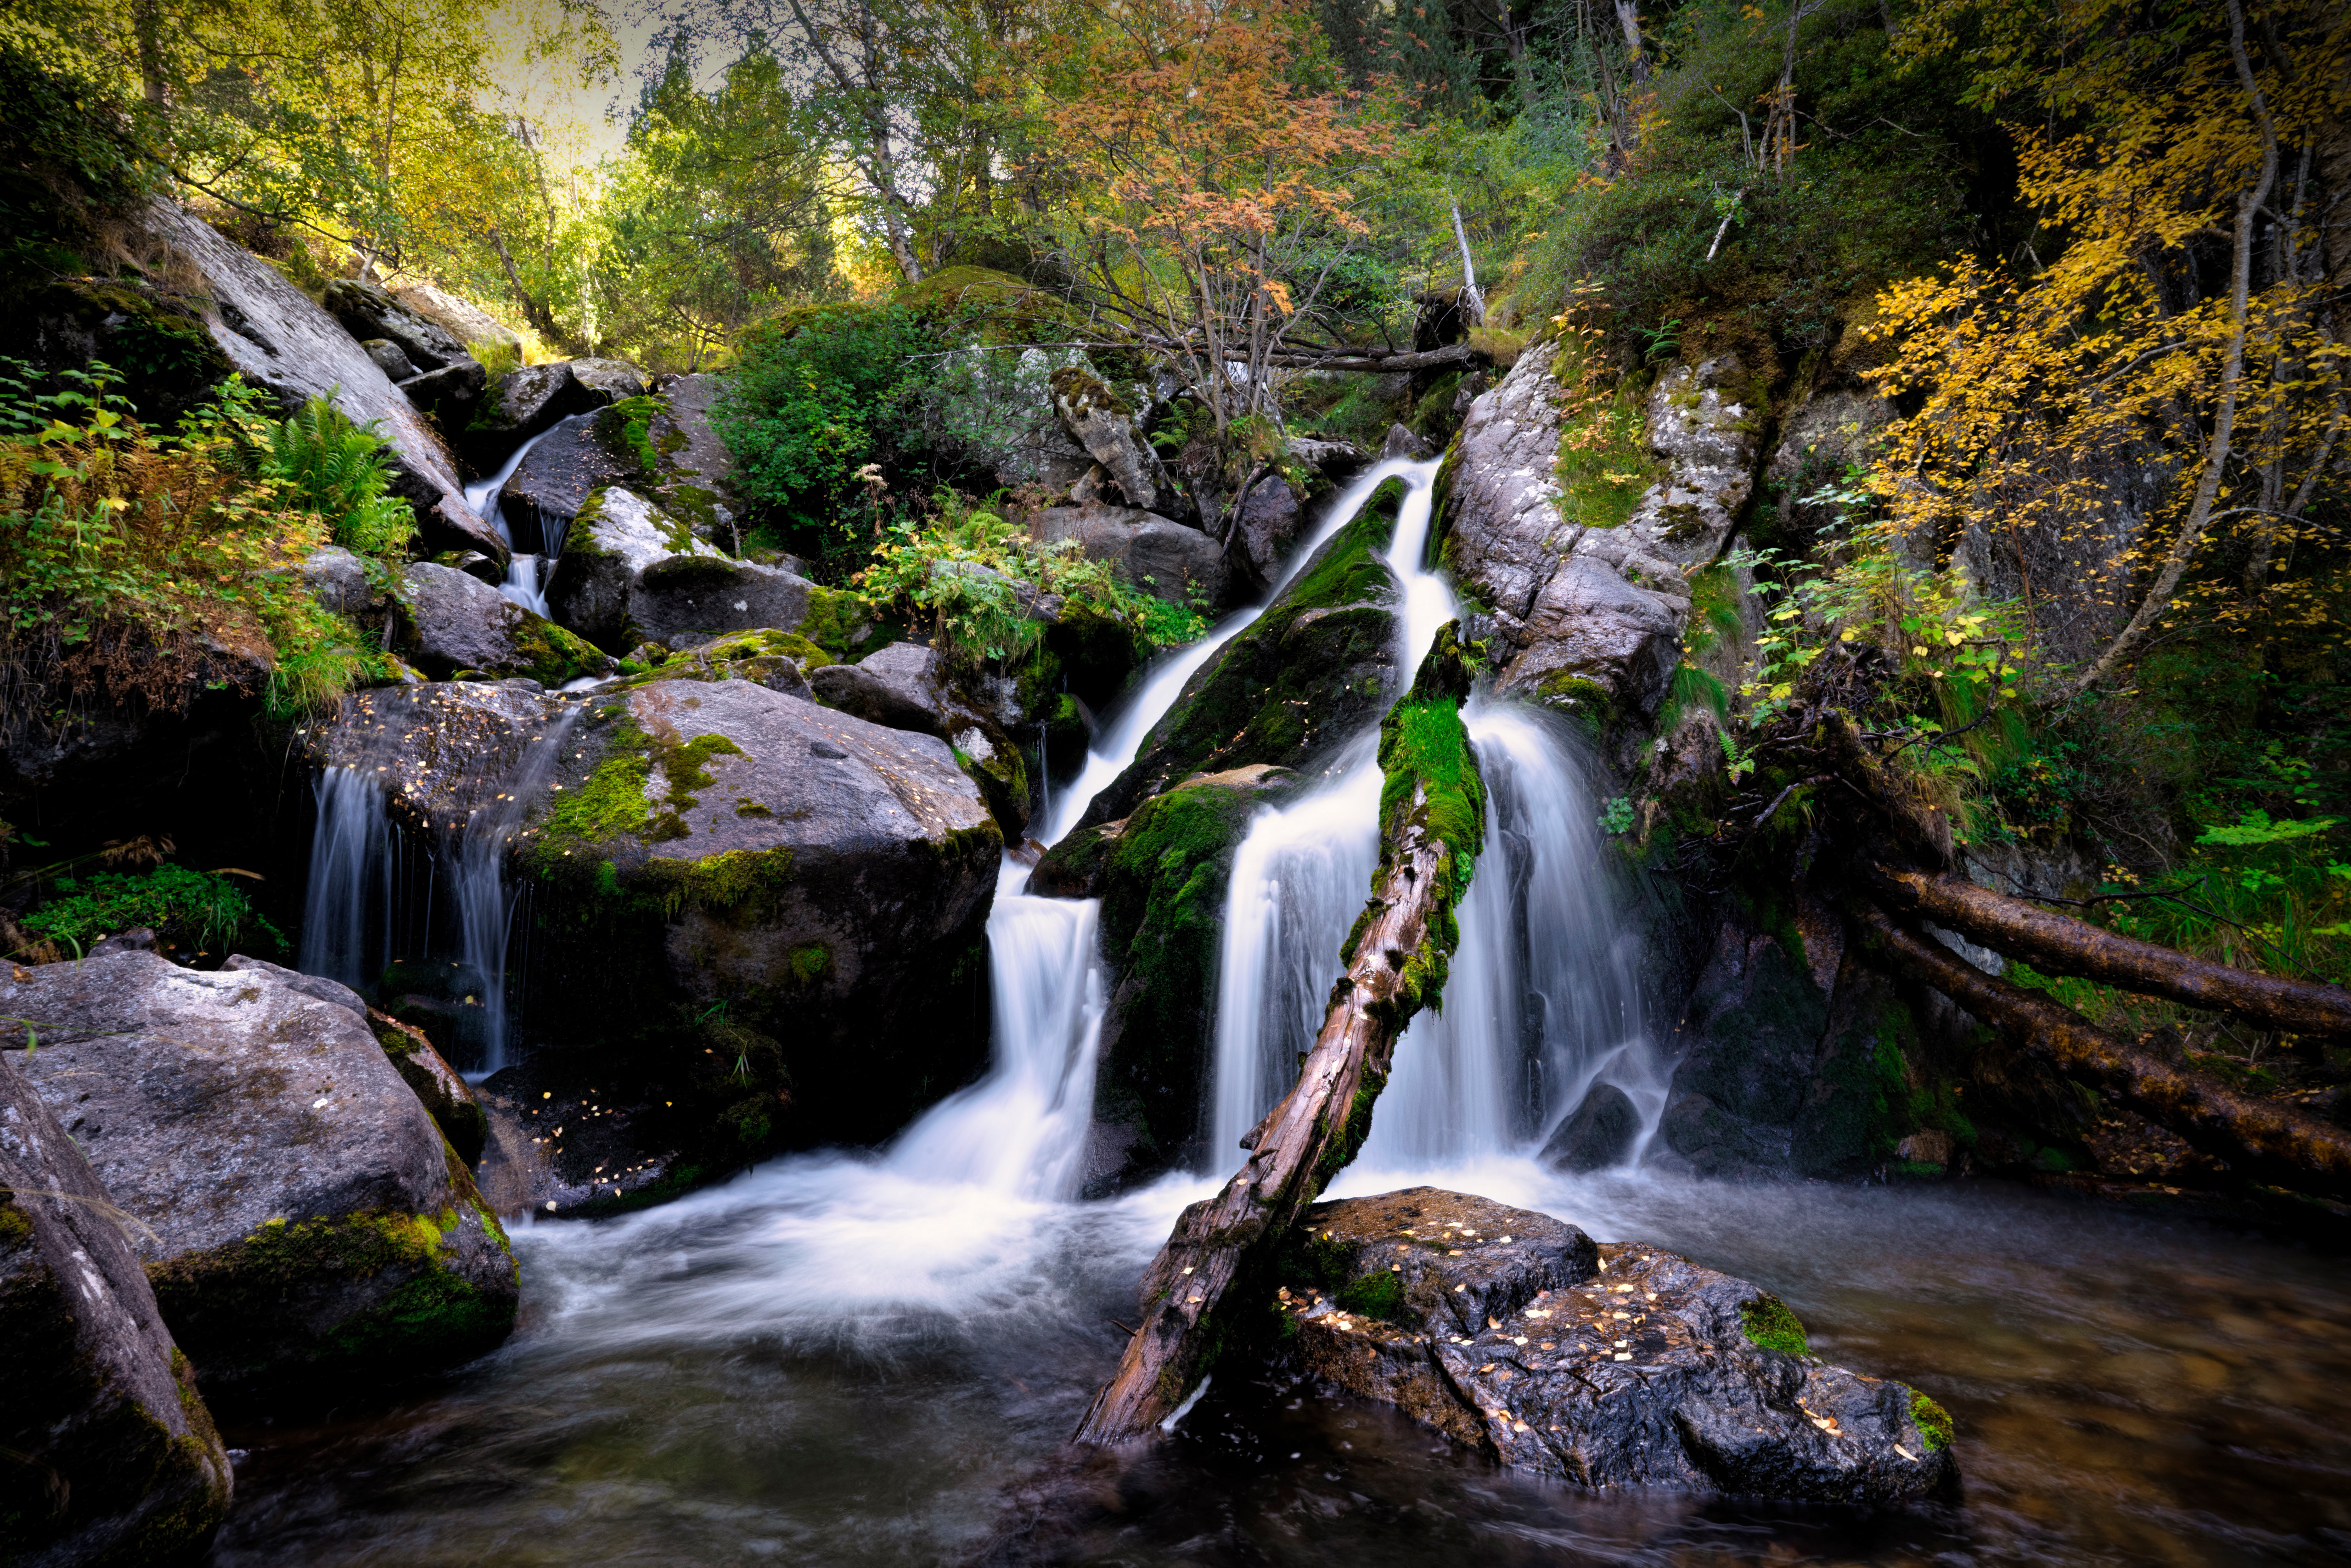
[[1511, 1332], [338, 580], [298, 1213], [1174, 561], [1312, 672], [452, 622], [443, 378], [555, 478], [721, 853], [441, 750], [106, 1452], [1162, 875], [1589, 619], [273, 334], [463, 319], [1267, 522], [909, 685], [631, 573]]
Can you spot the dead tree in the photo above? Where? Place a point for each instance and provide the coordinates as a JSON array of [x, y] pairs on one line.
[[1431, 819]]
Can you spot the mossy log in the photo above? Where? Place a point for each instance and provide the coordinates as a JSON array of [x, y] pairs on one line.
[[2259, 1140], [1431, 822], [2064, 946]]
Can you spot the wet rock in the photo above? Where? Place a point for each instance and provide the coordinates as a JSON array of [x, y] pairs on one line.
[[1098, 421], [537, 398], [440, 749], [1600, 1132], [448, 394], [721, 855], [1162, 875], [1307, 675], [1167, 559], [476, 565], [300, 1215], [444, 1092], [910, 686], [1403, 443], [453, 622], [279, 339], [609, 380], [110, 1454], [1603, 1366], [1335, 460], [554, 480], [578, 1135], [338, 580]]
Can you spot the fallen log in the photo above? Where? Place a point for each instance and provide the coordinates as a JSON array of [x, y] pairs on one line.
[[2064, 946], [2259, 1140], [1432, 810]]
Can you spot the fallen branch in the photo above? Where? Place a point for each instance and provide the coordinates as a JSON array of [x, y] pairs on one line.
[[1431, 819], [2258, 1139], [2064, 946]]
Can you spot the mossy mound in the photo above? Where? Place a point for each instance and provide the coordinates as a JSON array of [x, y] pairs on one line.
[[1309, 675]]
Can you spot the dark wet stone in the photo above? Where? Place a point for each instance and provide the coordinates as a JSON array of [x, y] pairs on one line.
[[1598, 1135]]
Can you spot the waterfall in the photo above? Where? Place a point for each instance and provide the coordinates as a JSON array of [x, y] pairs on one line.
[[1543, 1000], [347, 911], [526, 572], [486, 899]]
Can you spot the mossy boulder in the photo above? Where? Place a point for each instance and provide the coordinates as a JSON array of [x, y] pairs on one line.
[[631, 573], [452, 622], [298, 1213], [1309, 675], [722, 856], [911, 686], [1161, 875], [110, 1456], [1613, 1365]]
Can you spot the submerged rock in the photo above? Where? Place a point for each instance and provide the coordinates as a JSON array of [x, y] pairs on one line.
[[299, 1212], [1624, 1365], [453, 622], [106, 1452], [1315, 670], [1598, 1134], [719, 855]]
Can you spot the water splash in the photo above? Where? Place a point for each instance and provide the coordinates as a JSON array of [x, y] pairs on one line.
[[526, 571]]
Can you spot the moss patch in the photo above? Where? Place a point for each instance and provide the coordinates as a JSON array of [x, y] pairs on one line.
[[1934, 1422], [1770, 1324]]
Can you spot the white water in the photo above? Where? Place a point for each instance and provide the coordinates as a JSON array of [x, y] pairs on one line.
[[347, 910], [486, 899], [527, 574], [1542, 1000]]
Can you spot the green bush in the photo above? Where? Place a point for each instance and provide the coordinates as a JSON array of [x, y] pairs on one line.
[[183, 906]]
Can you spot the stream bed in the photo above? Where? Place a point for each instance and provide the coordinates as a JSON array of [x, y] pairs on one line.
[[830, 1360]]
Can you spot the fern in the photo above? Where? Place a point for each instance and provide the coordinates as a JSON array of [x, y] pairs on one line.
[[337, 469]]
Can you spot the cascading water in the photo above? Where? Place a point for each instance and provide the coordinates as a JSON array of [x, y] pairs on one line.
[[526, 571], [486, 901], [1543, 1000], [354, 864]]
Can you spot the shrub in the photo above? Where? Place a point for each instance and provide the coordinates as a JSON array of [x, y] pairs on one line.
[[184, 907]]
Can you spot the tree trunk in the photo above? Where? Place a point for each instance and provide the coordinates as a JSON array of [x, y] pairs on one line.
[[2259, 1139], [1473, 304], [2064, 946], [1206, 1280]]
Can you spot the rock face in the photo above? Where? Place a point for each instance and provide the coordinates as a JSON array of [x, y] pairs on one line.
[[1312, 672], [301, 1214], [274, 335], [462, 319], [441, 750], [1161, 874], [111, 1457], [338, 579], [1589, 619], [1267, 523], [1604, 1366], [1170, 560], [1096, 420], [537, 398], [554, 480], [1598, 1134], [826, 879], [631, 573], [454, 623], [907, 685], [444, 378]]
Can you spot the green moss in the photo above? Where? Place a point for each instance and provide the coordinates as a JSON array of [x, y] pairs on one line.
[[551, 655], [839, 622], [743, 886], [1934, 1423], [809, 962], [234, 1304], [1378, 1295], [1769, 1323]]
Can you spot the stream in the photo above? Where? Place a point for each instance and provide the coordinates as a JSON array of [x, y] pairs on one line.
[[854, 1358]]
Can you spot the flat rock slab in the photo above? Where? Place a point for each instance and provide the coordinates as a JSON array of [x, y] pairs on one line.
[[440, 750], [1618, 1365], [111, 1455], [299, 1210]]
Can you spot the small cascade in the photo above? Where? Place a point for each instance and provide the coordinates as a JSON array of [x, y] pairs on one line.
[[1543, 1000], [526, 571], [486, 899], [355, 869]]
